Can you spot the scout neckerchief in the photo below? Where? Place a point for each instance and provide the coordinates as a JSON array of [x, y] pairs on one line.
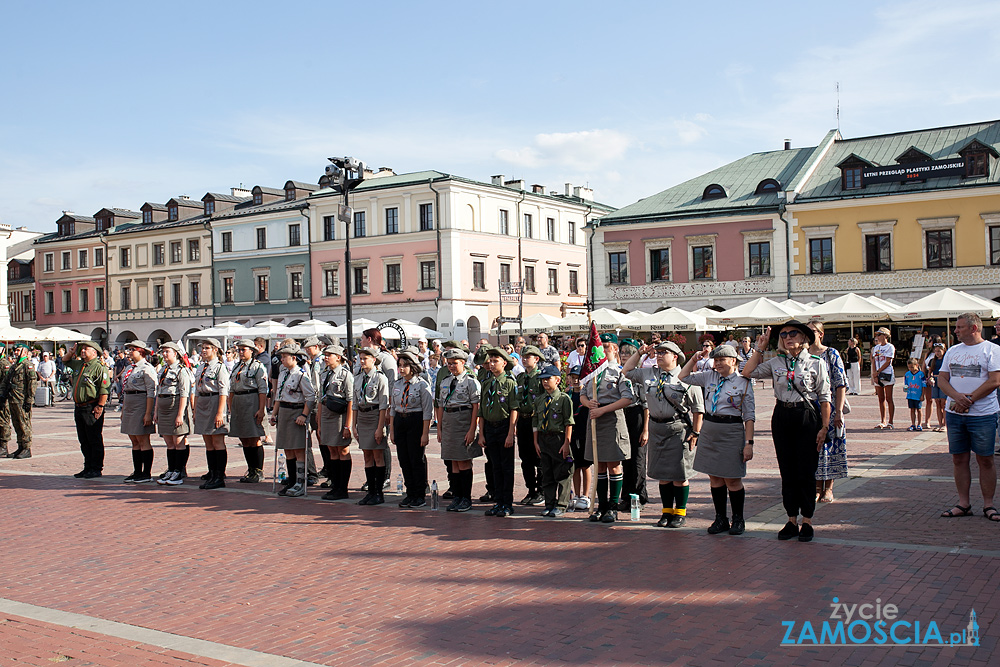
[[662, 383], [490, 397], [718, 391], [126, 374], [239, 369], [204, 369], [451, 389], [545, 412], [790, 372], [406, 394], [281, 389], [365, 379]]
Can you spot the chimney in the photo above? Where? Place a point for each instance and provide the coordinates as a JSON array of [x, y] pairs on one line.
[[517, 184], [498, 180], [538, 189], [581, 192], [183, 197], [788, 144], [240, 192], [569, 189]]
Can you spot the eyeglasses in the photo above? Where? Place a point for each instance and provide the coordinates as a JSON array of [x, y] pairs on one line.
[[581, 345], [659, 352], [706, 347], [786, 334]]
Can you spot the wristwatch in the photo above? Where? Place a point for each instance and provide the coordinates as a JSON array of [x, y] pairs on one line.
[[696, 433], [750, 442]]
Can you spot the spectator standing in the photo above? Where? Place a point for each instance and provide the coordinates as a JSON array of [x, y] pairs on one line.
[[915, 383], [47, 377], [883, 377], [549, 353], [852, 364]]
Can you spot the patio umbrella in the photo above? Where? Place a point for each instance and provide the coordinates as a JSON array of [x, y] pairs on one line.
[[312, 328], [8, 332], [793, 305], [61, 335], [413, 330], [267, 329], [223, 330], [946, 304], [672, 319], [848, 308], [758, 312]]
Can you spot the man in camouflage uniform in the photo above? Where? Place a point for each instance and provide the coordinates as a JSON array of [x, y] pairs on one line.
[[5, 366], [91, 386], [20, 385]]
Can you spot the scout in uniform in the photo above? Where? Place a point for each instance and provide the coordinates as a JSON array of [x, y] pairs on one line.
[[442, 374], [247, 408], [387, 366], [5, 367], [497, 427], [675, 418], [552, 422], [336, 419], [19, 386], [293, 402], [211, 419], [637, 423], [457, 413], [371, 414], [91, 386], [529, 389], [801, 417], [483, 374], [411, 412], [607, 395], [138, 382], [173, 416], [314, 366], [581, 465], [726, 440]]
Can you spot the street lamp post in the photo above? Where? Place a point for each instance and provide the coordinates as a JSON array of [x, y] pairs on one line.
[[346, 173]]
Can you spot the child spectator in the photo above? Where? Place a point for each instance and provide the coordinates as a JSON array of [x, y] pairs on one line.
[[915, 381]]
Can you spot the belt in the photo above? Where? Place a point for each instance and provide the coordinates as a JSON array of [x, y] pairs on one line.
[[87, 404], [724, 419], [791, 405], [411, 413], [374, 407], [135, 391], [458, 409], [244, 393], [295, 406], [168, 395], [208, 393], [666, 420]]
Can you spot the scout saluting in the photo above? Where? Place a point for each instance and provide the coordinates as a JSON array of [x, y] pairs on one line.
[[247, 404], [411, 412], [173, 417], [371, 415], [336, 419], [293, 402], [552, 422], [211, 421], [91, 386], [458, 412], [139, 390]]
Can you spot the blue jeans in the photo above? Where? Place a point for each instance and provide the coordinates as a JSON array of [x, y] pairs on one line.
[[967, 433]]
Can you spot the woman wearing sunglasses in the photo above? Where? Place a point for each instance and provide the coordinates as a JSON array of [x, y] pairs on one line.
[[800, 420]]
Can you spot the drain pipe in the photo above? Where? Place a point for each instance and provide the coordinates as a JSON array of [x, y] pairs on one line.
[[788, 249], [437, 232]]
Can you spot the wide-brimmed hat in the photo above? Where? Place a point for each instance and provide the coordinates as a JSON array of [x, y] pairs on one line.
[[93, 344], [243, 342], [290, 348], [724, 351], [806, 331], [334, 349], [455, 345], [312, 340], [139, 345], [500, 352], [371, 352], [455, 353], [410, 358], [531, 349], [214, 342], [172, 346], [884, 331]]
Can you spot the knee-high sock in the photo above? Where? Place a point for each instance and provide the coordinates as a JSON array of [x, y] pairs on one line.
[[147, 461], [250, 454], [719, 499], [681, 499], [667, 497], [467, 484], [616, 481], [345, 473], [292, 473], [221, 460], [737, 498], [182, 458], [171, 459], [137, 461], [380, 474], [602, 491], [259, 457]]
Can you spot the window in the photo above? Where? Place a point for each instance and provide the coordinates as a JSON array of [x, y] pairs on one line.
[[659, 264], [505, 273], [574, 285], [261, 238], [158, 253], [851, 178], [263, 293], [49, 303], [527, 225], [126, 299], [821, 256], [126, 257], [878, 252], [550, 229], [504, 222], [194, 250], [147, 217], [360, 280], [617, 268], [289, 194], [175, 295], [331, 282], [172, 212], [760, 259], [572, 233], [67, 301], [157, 296], [426, 217], [67, 261], [227, 289], [98, 298], [294, 234], [227, 241], [329, 227], [258, 198], [82, 259], [428, 275], [975, 165], [391, 220], [98, 256], [714, 191], [175, 252], [701, 257], [529, 279], [296, 285], [209, 207], [553, 281], [995, 246], [49, 262], [28, 306], [67, 229], [478, 275], [766, 186], [359, 224], [393, 278], [939, 254], [195, 294]]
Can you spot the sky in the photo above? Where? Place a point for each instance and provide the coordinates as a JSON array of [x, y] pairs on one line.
[[113, 104]]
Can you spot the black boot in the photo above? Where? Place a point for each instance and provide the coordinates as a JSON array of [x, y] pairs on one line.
[[720, 525], [378, 495]]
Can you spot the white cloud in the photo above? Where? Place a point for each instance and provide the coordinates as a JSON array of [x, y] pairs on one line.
[[689, 132], [574, 150]]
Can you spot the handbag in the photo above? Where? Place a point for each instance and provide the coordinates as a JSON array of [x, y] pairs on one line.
[[335, 404], [885, 377], [847, 407]]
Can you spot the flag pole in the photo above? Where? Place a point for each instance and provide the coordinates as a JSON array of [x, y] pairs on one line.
[[592, 424]]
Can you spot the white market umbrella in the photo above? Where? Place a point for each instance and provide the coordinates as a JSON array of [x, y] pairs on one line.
[[267, 329], [946, 304], [607, 319], [357, 326], [793, 305], [672, 319], [61, 335], [848, 308], [223, 330], [888, 304], [312, 328], [414, 331], [758, 312], [571, 324], [23, 333]]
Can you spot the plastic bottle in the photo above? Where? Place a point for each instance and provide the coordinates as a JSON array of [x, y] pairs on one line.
[[399, 483], [434, 495], [636, 507], [282, 468]]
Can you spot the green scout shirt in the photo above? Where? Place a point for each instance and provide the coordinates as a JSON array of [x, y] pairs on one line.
[[529, 388], [90, 379], [498, 397], [553, 413]]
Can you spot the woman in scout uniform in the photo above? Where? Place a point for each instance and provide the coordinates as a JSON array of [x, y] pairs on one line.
[[410, 414], [371, 414], [637, 423], [336, 419], [552, 422], [726, 440], [211, 421], [173, 418], [91, 387], [801, 417], [529, 388], [675, 419], [498, 419], [247, 406], [607, 394], [458, 412], [139, 390], [293, 401]]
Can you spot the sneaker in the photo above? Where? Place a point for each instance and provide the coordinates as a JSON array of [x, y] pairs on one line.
[[738, 525], [252, 476], [505, 511], [464, 505], [131, 478], [532, 499], [164, 476], [405, 502], [486, 498], [81, 474], [91, 474], [418, 502], [676, 521], [609, 517], [453, 507], [330, 495], [664, 520], [176, 479], [556, 512], [493, 510], [583, 503], [367, 500], [143, 479], [546, 512], [595, 516], [448, 495], [720, 525], [217, 482]]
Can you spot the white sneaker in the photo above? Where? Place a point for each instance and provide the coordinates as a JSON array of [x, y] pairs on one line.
[[296, 490], [582, 503], [175, 478]]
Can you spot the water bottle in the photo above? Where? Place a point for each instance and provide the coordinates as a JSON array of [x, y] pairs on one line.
[[636, 507], [282, 468], [434, 495], [399, 484]]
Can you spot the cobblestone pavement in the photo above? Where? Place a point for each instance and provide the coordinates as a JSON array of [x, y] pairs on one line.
[[100, 573]]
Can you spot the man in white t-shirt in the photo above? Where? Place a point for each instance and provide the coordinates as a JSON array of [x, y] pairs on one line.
[[970, 374]]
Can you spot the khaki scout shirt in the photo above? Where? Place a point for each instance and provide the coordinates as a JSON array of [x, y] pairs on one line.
[[337, 382], [140, 377], [806, 371], [529, 389], [614, 386], [371, 390], [661, 387], [456, 392], [498, 398], [212, 378], [294, 386], [248, 376], [412, 395], [553, 413], [175, 380], [442, 375], [90, 379], [730, 396]]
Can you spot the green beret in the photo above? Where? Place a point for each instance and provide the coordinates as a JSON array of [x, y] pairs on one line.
[[609, 338]]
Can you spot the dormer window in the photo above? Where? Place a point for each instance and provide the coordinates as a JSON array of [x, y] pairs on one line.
[[977, 158], [147, 217], [852, 172], [766, 186], [289, 194], [714, 191], [172, 212], [851, 178], [102, 224], [324, 181], [67, 229], [258, 198], [210, 207], [913, 155]]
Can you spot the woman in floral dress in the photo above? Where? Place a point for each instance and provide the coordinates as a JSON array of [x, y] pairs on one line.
[[833, 459]]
